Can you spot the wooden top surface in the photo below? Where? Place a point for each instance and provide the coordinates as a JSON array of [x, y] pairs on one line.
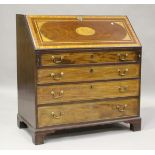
[[60, 32]]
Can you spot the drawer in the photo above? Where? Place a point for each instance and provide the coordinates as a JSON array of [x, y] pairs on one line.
[[89, 58], [86, 112], [87, 91], [74, 74]]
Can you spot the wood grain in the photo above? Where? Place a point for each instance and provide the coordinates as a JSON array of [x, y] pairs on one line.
[[60, 32], [69, 70], [90, 73], [85, 112], [87, 91], [88, 58]]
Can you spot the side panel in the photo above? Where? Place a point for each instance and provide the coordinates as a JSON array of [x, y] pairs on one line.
[[25, 72]]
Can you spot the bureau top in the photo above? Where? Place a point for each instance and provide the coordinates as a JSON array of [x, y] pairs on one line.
[[61, 32]]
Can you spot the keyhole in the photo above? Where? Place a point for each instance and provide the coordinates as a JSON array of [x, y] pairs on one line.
[[91, 70], [91, 86], [91, 56]]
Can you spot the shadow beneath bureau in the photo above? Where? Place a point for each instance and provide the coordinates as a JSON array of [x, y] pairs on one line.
[[39, 135], [84, 131]]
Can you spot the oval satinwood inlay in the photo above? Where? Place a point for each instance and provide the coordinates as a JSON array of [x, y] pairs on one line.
[[85, 31]]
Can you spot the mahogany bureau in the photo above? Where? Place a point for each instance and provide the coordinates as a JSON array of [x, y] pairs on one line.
[[76, 72]]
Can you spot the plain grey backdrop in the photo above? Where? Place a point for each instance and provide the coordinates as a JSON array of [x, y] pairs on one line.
[[142, 19]]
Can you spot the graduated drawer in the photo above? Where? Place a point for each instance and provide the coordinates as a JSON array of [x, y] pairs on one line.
[[87, 91], [86, 112], [89, 57], [89, 73]]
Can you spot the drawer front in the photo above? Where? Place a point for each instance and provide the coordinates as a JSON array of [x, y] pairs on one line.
[[85, 112], [74, 74], [89, 58], [87, 91]]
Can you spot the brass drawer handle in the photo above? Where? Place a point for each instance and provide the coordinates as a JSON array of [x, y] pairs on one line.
[[123, 57], [57, 76], [56, 116], [121, 108], [57, 60], [123, 89], [123, 72], [58, 94]]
